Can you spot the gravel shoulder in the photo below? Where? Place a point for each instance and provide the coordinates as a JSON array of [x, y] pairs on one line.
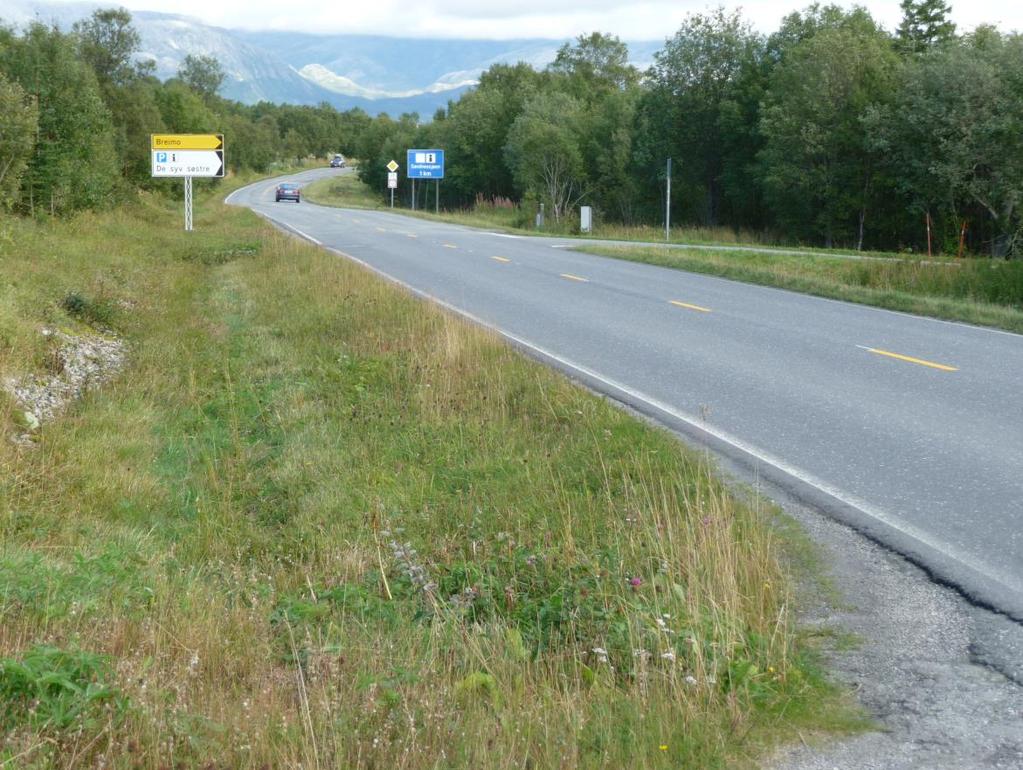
[[940, 677]]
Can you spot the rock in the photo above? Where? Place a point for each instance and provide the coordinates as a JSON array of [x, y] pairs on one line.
[[83, 362], [31, 421]]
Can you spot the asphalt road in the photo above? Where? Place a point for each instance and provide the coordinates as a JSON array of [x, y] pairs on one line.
[[908, 428]]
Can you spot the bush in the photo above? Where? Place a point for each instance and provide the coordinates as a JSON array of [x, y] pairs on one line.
[[96, 312], [57, 689]]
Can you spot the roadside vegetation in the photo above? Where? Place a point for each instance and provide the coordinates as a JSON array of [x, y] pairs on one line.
[[316, 523], [978, 291]]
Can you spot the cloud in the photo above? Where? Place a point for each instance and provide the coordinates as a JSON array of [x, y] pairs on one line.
[[555, 19]]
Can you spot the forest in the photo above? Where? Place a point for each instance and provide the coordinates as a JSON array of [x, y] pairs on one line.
[[830, 131]]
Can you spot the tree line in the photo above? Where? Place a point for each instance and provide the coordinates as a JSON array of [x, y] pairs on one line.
[[77, 109], [829, 131]]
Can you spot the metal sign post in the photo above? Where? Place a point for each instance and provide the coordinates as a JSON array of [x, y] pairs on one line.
[[392, 178], [425, 164], [667, 207], [188, 204]]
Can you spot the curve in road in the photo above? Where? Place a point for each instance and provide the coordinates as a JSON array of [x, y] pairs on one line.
[[908, 428]]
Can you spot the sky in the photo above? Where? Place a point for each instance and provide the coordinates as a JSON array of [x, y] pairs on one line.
[[503, 19]]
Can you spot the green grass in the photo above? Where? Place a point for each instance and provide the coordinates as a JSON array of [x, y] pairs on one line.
[[974, 290], [980, 291], [316, 523]]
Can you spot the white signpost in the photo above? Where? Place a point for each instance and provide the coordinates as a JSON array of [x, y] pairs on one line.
[[185, 156]]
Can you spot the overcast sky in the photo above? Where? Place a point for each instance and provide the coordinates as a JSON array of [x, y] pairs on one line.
[[642, 20]]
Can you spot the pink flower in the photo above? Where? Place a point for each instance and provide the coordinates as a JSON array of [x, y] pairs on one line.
[[635, 582]]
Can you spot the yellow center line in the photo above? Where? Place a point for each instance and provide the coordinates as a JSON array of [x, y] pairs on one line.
[[450, 246], [571, 277], [381, 230], [501, 259], [910, 359], [687, 306], [410, 235]]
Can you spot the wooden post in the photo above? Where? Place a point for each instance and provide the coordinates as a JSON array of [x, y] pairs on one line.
[[929, 253], [962, 239]]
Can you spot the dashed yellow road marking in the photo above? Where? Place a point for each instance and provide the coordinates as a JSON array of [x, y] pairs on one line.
[[910, 359], [687, 306], [450, 246], [501, 259], [381, 230], [571, 277], [410, 235]]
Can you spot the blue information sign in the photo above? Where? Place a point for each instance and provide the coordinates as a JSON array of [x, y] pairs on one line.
[[425, 164]]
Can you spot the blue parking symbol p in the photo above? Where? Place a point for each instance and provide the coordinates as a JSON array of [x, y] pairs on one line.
[[161, 157]]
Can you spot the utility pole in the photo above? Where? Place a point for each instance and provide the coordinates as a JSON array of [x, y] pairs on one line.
[[667, 206]]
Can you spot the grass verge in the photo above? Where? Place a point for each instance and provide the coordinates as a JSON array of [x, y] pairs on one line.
[[318, 524], [979, 291]]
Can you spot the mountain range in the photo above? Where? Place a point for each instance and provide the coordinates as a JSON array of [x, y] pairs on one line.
[[379, 74]]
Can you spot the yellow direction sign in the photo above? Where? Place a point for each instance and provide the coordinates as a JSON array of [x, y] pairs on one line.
[[392, 166], [187, 141]]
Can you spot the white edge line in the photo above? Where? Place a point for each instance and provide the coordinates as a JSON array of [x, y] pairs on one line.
[[847, 303], [503, 235], [699, 425]]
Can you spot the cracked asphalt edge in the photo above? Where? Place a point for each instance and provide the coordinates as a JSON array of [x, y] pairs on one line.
[[940, 676]]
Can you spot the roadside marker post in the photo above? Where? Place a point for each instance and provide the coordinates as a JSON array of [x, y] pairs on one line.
[[392, 179], [185, 156], [667, 206]]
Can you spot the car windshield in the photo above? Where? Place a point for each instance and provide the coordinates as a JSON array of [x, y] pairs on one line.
[[289, 187]]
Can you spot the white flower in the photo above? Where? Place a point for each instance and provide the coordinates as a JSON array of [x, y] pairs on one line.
[[690, 680], [668, 655], [601, 654]]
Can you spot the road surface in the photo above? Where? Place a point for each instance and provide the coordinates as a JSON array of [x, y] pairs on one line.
[[908, 428]]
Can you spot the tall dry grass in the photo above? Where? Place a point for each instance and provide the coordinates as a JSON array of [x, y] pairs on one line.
[[319, 524]]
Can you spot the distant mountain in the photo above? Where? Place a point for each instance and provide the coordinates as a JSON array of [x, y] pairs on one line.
[[378, 74]]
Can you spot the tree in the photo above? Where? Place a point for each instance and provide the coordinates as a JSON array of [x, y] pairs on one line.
[[925, 23], [543, 151], [108, 41], [19, 120], [818, 170], [74, 164], [692, 83], [203, 74], [595, 65], [954, 132]]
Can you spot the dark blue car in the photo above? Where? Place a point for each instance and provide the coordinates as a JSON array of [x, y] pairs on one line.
[[288, 192]]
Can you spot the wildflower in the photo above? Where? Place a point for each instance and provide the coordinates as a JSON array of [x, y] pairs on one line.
[[641, 654], [690, 680], [601, 654], [663, 625], [669, 655], [635, 582], [663, 747]]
